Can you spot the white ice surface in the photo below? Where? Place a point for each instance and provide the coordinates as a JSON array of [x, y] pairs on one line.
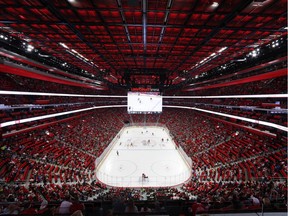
[[158, 159]]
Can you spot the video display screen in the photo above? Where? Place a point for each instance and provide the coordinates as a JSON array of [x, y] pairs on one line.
[[144, 102]]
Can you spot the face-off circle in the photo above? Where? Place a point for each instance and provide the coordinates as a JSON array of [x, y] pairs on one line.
[[165, 168]]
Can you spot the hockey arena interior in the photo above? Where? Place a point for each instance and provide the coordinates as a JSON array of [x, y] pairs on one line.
[[143, 107]]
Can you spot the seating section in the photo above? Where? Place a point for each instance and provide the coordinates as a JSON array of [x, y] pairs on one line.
[[49, 157], [18, 83], [272, 117], [60, 154], [272, 110]]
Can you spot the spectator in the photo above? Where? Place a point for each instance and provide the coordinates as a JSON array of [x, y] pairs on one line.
[[236, 203], [43, 209], [76, 205], [131, 207], [266, 201], [197, 207], [11, 209], [145, 208], [65, 205], [29, 209], [255, 201]]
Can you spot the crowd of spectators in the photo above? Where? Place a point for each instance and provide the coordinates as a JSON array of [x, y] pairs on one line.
[[225, 158], [234, 167], [272, 110], [275, 117], [208, 196]]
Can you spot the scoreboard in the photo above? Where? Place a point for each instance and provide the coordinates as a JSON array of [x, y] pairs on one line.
[[144, 102]]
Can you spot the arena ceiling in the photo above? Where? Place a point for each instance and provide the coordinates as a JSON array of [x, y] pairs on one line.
[[140, 43]]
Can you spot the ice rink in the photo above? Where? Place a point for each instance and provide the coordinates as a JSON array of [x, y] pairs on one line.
[[143, 150]]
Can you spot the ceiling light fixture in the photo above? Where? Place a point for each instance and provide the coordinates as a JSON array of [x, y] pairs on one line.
[[45, 56], [239, 60], [259, 3], [209, 58], [275, 43], [64, 45], [254, 53], [30, 48], [94, 64], [222, 49], [215, 4]]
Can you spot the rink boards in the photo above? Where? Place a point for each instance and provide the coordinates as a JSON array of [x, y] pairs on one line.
[[139, 150]]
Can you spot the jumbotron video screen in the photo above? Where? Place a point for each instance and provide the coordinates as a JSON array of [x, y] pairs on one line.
[[144, 102]]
